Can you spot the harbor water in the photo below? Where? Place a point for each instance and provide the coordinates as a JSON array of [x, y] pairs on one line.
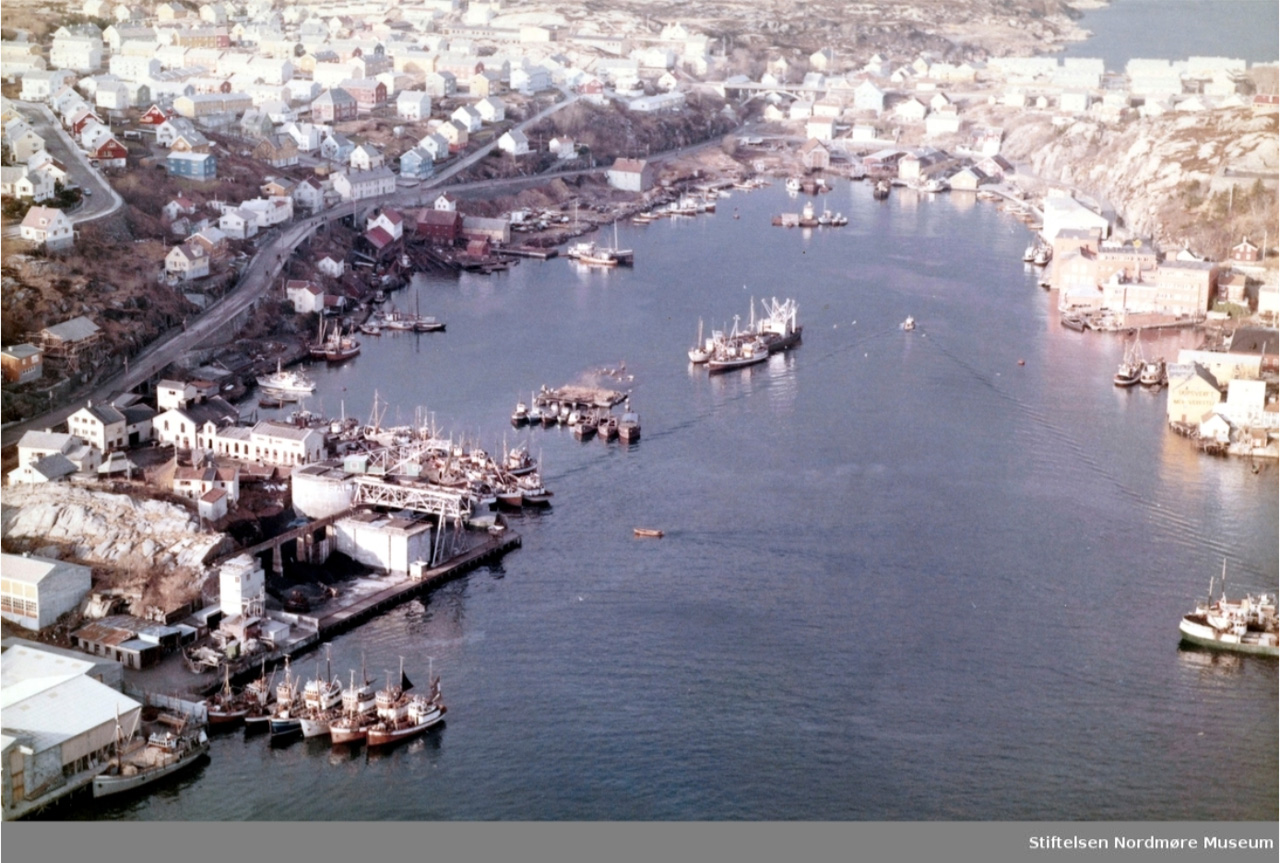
[[933, 574]]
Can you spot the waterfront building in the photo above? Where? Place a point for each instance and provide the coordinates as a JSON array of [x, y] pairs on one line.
[[1061, 211], [59, 728], [36, 591], [1193, 392], [631, 175], [307, 297]]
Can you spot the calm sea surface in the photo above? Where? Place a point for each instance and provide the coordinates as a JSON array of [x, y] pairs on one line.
[[903, 577], [1178, 29]]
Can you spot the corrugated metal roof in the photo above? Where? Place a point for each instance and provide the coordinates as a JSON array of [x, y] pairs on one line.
[[32, 569], [63, 710], [73, 330]]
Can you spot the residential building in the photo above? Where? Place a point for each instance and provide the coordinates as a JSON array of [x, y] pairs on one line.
[[365, 157], [417, 163], [514, 142], [814, 156], [307, 297], [21, 363], [48, 226], [491, 109], [359, 185], [335, 105], [188, 261], [239, 223], [413, 105], [102, 426], [192, 166]]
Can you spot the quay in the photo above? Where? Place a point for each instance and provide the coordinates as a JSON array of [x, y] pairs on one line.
[[531, 252]]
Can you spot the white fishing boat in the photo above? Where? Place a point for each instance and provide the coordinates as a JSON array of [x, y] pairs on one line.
[[320, 699], [702, 349], [1246, 625], [909, 324], [288, 382]]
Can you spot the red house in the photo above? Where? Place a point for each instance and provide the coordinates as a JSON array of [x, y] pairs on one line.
[[81, 119], [155, 116], [110, 154], [1245, 251], [439, 227]]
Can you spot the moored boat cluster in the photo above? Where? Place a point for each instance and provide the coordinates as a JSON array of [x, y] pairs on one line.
[[777, 330]]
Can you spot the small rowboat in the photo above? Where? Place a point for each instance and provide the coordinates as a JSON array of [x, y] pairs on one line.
[[647, 531]]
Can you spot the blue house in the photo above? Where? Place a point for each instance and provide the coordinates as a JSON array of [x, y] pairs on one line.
[[193, 166], [417, 163]]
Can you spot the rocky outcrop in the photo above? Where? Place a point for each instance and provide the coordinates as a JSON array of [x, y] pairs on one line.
[[114, 530], [1169, 177]]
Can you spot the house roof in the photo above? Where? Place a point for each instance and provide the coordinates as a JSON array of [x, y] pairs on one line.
[[105, 414], [632, 166], [73, 330], [52, 466], [379, 238], [21, 352], [42, 217]]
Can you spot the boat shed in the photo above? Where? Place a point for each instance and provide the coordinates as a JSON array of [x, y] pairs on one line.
[[36, 591], [59, 724], [493, 230], [109, 637]]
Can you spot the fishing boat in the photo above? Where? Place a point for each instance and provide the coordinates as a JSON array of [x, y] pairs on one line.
[[533, 492], [519, 462], [428, 324], [881, 190], [359, 711], [136, 763], [341, 348], [1073, 322], [406, 717], [261, 700], [629, 426], [287, 719], [520, 416], [839, 220], [226, 708], [1029, 254], [1043, 255], [807, 219], [701, 350], [586, 427], [936, 184], [1129, 372], [371, 328], [1154, 374], [1246, 625], [509, 495], [398, 320], [607, 428], [647, 531], [320, 699], [909, 324], [737, 355], [793, 184], [778, 328], [286, 382]]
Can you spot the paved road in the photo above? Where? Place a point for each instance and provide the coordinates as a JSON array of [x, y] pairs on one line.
[[104, 201]]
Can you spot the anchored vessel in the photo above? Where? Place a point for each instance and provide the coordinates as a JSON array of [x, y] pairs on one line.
[[137, 764], [281, 381], [401, 716], [1246, 625]]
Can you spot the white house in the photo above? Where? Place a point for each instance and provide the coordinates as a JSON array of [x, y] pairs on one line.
[[564, 148], [188, 261], [514, 142], [307, 297], [467, 117], [49, 226], [491, 109], [238, 224], [101, 426], [366, 157], [359, 185], [413, 105]]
